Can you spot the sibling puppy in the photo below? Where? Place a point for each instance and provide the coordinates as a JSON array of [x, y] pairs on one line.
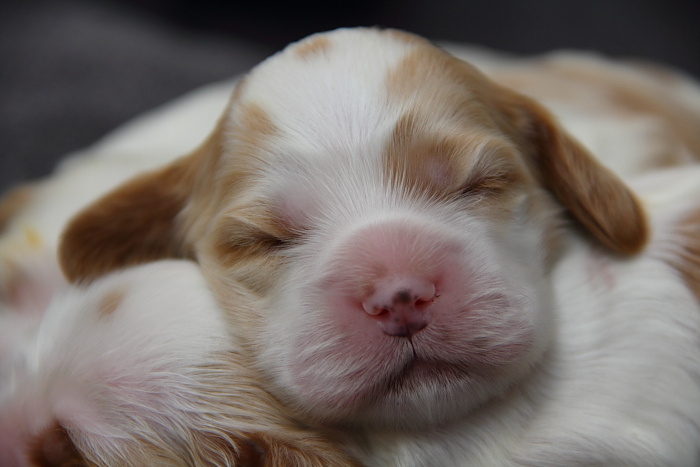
[[138, 369], [32, 216], [424, 257]]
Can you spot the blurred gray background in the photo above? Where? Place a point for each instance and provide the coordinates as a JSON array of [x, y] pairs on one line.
[[71, 70]]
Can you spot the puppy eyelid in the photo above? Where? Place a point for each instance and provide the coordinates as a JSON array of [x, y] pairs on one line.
[[244, 235], [485, 184]]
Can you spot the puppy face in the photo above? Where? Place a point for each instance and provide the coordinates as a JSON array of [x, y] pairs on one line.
[[380, 219]]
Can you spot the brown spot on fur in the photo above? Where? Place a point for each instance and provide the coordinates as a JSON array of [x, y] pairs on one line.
[[110, 302], [254, 122], [458, 98], [530, 147], [13, 202], [134, 224], [253, 127], [53, 447], [449, 142], [313, 46], [472, 164]]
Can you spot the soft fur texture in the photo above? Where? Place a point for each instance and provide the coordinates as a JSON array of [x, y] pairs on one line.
[[422, 257], [138, 369]]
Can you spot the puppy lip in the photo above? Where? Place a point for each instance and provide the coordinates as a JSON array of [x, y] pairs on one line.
[[420, 370]]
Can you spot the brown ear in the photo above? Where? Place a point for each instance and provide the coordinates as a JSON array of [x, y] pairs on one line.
[[594, 195], [135, 223], [142, 220]]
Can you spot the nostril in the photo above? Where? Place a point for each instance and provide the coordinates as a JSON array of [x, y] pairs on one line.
[[374, 310], [399, 293], [400, 304]]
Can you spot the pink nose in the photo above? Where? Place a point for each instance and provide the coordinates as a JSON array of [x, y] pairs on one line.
[[400, 305]]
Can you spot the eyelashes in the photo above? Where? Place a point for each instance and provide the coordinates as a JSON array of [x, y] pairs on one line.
[[487, 184], [243, 238]]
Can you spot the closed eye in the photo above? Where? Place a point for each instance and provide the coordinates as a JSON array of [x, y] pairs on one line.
[[246, 237], [486, 185], [494, 171]]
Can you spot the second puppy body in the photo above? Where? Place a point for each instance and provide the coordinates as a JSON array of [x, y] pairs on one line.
[[138, 369]]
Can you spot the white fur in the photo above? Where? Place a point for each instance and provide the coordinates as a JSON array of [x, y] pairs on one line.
[[110, 378], [611, 372], [619, 385]]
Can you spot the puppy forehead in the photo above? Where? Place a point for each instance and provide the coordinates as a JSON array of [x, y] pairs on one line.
[[327, 95], [336, 107]]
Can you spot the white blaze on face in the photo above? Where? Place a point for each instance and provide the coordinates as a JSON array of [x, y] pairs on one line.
[[464, 306]]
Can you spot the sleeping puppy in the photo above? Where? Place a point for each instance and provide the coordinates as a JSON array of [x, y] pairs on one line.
[[137, 369], [129, 371], [424, 258]]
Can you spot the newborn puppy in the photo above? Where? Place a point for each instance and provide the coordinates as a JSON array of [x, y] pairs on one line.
[[412, 252], [137, 369], [33, 215]]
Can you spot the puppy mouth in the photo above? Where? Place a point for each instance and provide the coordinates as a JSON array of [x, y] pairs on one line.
[[419, 371]]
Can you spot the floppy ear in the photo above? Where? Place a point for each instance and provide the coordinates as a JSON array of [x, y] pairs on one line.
[[594, 195], [138, 222]]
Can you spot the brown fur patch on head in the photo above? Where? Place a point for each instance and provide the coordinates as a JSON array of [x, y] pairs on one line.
[[13, 202], [240, 233], [53, 447], [311, 47], [449, 143], [460, 99], [110, 301], [475, 165]]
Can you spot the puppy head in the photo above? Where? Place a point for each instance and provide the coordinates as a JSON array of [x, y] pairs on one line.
[[137, 369], [380, 220]]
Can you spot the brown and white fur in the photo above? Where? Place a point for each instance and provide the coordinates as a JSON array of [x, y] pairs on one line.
[[427, 259], [138, 369]]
